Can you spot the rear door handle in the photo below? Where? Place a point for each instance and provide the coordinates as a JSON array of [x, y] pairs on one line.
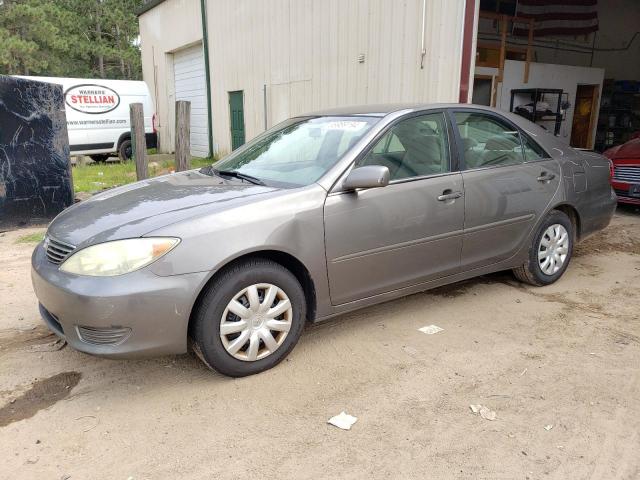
[[449, 195], [546, 177]]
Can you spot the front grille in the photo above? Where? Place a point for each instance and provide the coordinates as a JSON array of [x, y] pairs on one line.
[[103, 336], [627, 174], [57, 251]]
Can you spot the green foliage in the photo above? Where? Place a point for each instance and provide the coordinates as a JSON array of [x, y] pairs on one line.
[[95, 177], [71, 38], [35, 237]]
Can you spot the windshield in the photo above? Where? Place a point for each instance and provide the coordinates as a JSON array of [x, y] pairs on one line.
[[297, 152]]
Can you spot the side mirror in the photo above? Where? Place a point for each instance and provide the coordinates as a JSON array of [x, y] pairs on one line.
[[369, 176]]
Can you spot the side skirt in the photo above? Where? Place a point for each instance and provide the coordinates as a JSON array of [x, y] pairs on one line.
[[422, 287]]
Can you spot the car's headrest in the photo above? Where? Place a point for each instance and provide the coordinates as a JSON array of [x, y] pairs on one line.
[[468, 143], [500, 142]]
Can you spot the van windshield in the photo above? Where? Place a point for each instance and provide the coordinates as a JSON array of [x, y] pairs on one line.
[[297, 152]]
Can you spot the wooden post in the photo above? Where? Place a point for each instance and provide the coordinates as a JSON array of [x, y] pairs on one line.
[[503, 46], [138, 141], [529, 52], [183, 130]]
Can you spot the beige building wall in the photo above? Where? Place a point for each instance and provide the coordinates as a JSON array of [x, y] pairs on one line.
[[171, 26], [311, 54]]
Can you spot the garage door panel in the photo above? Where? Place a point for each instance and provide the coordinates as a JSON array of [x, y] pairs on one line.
[[191, 53], [191, 92], [192, 70], [188, 95], [190, 85], [188, 82]]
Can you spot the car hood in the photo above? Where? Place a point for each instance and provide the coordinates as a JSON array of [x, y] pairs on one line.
[[629, 150], [135, 209]]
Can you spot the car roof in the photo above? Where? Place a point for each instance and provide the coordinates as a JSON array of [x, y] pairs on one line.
[[382, 110], [544, 137]]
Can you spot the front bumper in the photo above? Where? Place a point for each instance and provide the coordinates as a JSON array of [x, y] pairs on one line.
[[622, 190], [152, 311], [623, 197]]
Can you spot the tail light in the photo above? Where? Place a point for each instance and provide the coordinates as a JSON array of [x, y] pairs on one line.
[[154, 124]]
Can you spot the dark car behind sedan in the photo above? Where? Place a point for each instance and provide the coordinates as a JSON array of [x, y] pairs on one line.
[[626, 171]]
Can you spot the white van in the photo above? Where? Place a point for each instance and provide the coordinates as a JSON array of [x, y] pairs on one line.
[[98, 115]]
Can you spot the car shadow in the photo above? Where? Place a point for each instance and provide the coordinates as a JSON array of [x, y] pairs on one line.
[[628, 210], [155, 372]]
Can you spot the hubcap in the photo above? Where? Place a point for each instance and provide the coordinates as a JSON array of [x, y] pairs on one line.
[[256, 322], [553, 249]]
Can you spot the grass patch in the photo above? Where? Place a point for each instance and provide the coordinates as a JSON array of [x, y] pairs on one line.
[[35, 237], [95, 177]]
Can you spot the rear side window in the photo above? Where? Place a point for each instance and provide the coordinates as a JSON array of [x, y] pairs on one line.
[[487, 141], [415, 147]]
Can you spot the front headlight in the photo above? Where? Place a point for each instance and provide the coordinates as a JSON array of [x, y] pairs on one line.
[[118, 257]]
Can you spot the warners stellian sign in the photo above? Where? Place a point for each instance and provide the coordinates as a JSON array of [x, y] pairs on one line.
[[91, 98]]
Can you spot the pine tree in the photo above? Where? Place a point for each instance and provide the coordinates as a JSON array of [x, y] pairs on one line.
[[71, 38]]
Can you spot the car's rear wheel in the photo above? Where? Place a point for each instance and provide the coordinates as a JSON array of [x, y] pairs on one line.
[[550, 251], [249, 318]]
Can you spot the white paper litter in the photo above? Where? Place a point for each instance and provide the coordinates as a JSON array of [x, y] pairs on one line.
[[343, 421], [485, 412], [548, 427], [430, 329]]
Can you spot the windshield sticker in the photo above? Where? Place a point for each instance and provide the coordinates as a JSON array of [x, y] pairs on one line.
[[347, 125]]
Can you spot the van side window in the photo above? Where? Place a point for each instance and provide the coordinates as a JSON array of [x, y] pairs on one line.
[[415, 147], [487, 141]]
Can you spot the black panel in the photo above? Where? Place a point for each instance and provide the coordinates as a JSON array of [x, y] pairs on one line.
[[151, 140], [91, 146], [35, 182]]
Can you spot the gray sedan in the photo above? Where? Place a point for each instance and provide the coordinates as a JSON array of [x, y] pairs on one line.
[[320, 215]]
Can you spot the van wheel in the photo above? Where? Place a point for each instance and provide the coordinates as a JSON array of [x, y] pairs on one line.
[[249, 318], [99, 158], [550, 251], [125, 150]]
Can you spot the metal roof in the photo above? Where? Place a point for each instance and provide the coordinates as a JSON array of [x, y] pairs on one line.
[[385, 109]]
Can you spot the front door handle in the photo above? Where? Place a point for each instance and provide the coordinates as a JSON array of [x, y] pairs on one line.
[[449, 195], [546, 177]]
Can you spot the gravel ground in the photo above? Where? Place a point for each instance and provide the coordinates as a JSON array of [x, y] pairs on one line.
[[558, 365]]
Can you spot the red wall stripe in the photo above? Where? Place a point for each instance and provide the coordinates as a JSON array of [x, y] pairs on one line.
[[467, 51]]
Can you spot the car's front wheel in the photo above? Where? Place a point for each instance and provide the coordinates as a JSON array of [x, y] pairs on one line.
[[249, 318], [550, 251]]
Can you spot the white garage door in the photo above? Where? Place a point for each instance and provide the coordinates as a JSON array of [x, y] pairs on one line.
[[188, 67]]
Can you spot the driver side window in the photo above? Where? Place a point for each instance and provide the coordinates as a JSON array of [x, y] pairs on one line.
[[488, 142], [415, 147]]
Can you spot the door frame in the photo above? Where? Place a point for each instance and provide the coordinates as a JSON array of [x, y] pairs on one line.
[[595, 97]]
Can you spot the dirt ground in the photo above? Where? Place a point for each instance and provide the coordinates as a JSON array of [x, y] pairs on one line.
[[565, 357]]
